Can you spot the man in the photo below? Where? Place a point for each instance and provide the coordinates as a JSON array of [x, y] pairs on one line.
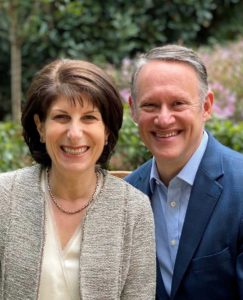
[[195, 183]]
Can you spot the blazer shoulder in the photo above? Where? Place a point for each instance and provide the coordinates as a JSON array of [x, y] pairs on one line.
[[228, 154], [141, 172], [221, 160], [17, 182]]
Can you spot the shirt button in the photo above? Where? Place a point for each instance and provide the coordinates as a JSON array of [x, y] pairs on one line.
[[173, 242], [173, 204]]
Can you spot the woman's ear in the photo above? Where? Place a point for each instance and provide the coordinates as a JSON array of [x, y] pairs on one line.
[[39, 127], [106, 136]]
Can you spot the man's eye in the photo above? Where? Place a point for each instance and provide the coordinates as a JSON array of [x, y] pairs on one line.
[[148, 106], [180, 105]]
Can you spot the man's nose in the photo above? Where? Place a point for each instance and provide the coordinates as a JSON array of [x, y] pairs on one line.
[[164, 116]]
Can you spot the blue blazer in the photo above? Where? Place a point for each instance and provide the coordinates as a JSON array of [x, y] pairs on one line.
[[209, 262]]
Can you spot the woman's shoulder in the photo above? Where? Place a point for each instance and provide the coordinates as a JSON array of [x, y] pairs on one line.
[[27, 175], [17, 184], [119, 183], [118, 187]]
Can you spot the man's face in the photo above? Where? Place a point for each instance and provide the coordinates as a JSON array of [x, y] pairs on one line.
[[169, 112]]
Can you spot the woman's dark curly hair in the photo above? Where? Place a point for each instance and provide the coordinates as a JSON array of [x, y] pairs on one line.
[[75, 80]]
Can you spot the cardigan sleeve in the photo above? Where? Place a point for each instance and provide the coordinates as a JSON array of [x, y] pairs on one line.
[[141, 274], [6, 182]]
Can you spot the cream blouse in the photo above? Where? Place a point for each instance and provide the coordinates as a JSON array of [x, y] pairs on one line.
[[60, 267]]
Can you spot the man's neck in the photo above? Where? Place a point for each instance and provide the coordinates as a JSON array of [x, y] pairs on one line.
[[167, 172]]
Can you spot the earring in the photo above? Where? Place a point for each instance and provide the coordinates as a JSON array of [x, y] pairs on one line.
[[41, 139], [106, 142]]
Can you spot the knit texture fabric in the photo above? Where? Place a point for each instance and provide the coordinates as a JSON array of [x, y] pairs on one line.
[[117, 259]]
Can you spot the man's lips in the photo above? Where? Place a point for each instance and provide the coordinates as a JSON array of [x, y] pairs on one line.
[[166, 134]]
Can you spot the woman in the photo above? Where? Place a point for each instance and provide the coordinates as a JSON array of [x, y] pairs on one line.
[[69, 229]]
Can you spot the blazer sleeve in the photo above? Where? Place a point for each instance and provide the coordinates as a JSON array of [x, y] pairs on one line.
[[141, 275], [239, 262]]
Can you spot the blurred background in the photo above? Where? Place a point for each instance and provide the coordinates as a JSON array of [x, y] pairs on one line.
[[111, 34]]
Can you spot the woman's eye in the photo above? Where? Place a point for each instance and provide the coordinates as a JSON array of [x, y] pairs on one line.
[[61, 117], [90, 117], [148, 104]]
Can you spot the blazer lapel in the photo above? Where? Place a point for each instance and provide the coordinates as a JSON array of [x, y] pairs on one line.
[[143, 181], [204, 196], [161, 293], [23, 251]]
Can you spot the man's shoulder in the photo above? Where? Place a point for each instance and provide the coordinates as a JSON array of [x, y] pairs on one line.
[[224, 150], [223, 157], [141, 172]]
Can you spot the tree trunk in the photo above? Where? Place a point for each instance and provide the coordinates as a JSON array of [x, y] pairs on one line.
[[16, 64]]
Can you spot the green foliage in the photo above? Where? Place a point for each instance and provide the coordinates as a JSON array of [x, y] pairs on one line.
[[130, 151], [13, 151], [106, 32], [225, 71], [227, 132], [227, 23]]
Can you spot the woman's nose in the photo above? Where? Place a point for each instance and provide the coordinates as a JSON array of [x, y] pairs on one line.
[[75, 131]]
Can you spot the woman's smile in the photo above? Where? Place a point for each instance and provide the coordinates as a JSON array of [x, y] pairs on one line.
[[74, 150]]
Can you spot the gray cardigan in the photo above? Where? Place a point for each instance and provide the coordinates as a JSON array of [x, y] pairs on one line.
[[117, 259]]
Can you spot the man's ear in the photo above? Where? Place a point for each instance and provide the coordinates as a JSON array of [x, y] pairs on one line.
[[133, 109], [39, 127], [208, 106]]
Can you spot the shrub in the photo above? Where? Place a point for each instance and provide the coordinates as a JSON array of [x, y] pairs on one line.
[[13, 151], [225, 71], [227, 132], [130, 151]]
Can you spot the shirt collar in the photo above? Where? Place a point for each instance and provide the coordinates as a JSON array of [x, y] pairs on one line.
[[188, 173], [154, 176]]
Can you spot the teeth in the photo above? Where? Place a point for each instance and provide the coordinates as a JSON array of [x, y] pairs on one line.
[[166, 135], [75, 151]]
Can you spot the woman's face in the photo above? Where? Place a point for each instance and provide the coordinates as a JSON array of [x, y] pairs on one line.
[[74, 135]]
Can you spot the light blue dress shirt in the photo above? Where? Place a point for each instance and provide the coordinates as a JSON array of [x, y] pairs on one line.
[[169, 207]]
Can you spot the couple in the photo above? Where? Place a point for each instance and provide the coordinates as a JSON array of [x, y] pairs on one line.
[[70, 230]]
